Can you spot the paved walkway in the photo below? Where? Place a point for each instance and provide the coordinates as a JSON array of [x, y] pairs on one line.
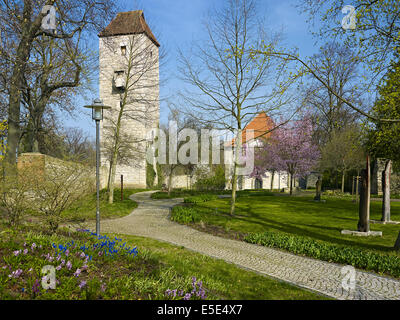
[[150, 219]]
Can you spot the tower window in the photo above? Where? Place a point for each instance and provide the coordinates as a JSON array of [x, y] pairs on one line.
[[123, 50]]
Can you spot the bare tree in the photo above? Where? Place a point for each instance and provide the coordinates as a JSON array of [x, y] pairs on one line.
[[375, 37], [339, 68], [343, 152], [231, 86], [21, 24], [51, 81]]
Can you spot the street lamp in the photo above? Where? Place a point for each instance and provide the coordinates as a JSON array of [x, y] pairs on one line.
[[97, 115]]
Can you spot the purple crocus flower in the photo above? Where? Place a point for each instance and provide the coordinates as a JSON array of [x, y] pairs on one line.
[[103, 287], [15, 274], [36, 287], [187, 296], [82, 284], [69, 265], [77, 272], [16, 253], [25, 251], [59, 267]]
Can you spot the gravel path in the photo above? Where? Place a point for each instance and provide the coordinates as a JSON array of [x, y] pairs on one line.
[[150, 219]]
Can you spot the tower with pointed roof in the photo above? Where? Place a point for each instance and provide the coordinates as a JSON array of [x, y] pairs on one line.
[[129, 80]]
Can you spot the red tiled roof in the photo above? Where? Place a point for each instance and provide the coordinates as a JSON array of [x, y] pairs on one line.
[[131, 22], [260, 124]]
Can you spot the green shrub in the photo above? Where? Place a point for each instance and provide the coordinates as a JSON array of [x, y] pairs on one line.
[[200, 198], [184, 215], [214, 182], [357, 257]]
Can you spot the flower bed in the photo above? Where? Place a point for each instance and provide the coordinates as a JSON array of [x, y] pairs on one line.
[[36, 266]]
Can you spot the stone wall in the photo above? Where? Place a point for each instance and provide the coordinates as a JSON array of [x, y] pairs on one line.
[[42, 164]]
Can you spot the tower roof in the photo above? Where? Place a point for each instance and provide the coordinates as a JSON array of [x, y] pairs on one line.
[[126, 23]]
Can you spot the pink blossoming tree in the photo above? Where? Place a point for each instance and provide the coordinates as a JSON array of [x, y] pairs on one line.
[[290, 148]]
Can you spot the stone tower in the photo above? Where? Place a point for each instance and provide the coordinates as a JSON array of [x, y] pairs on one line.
[[129, 83]]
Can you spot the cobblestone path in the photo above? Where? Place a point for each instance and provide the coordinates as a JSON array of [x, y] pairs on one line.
[[150, 219]]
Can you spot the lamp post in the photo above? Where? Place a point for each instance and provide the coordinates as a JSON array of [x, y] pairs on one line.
[[97, 115]]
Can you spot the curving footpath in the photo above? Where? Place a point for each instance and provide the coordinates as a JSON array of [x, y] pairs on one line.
[[151, 219]]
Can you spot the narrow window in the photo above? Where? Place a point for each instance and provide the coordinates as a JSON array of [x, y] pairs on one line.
[[123, 50]]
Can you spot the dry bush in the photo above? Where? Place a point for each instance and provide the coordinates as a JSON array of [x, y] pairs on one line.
[[62, 185], [16, 196]]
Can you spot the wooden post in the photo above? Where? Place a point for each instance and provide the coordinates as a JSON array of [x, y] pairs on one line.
[[122, 187], [386, 191], [357, 185], [364, 207], [318, 187]]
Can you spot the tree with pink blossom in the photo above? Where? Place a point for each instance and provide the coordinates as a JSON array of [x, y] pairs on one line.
[[290, 148]]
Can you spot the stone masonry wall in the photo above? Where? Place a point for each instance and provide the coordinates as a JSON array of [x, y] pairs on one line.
[[142, 110]]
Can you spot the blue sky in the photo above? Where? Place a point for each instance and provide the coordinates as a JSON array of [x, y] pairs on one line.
[[177, 23]]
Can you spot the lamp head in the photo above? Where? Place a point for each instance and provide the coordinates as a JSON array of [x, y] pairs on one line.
[[97, 109]]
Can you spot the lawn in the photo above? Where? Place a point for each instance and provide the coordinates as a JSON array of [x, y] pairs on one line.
[[85, 210], [300, 216], [123, 267], [299, 225]]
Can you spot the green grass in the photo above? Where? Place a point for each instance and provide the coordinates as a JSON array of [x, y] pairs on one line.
[[184, 193], [157, 267], [302, 218], [86, 209]]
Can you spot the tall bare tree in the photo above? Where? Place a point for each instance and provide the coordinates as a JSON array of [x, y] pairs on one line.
[[339, 69], [52, 80], [344, 151], [231, 86], [21, 24]]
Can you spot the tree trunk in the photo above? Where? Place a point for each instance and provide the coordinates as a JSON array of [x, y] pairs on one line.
[[170, 182], [386, 191], [28, 29], [238, 143], [364, 208], [113, 167], [234, 187], [318, 186], [114, 158], [291, 184], [272, 180], [343, 179], [357, 185]]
